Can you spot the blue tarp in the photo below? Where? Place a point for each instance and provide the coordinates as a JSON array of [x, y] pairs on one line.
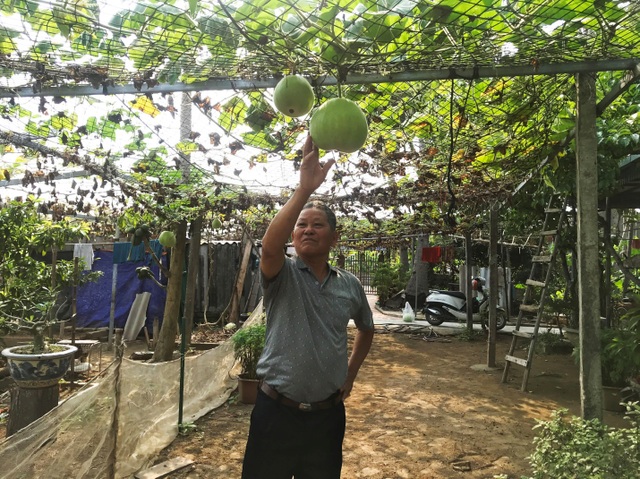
[[94, 299]]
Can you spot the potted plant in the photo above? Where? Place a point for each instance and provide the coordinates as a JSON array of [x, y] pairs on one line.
[[248, 343], [39, 363], [30, 299]]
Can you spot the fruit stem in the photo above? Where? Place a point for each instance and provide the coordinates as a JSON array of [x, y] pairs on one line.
[[339, 90]]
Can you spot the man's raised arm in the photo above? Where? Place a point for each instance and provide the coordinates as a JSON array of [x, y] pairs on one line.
[[312, 175]]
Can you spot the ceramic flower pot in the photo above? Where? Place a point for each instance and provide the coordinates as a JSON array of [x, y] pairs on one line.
[[38, 370]]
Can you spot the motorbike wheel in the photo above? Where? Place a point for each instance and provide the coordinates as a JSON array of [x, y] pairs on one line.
[[434, 320], [501, 320]]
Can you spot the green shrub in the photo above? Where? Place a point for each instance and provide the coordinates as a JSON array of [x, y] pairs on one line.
[[552, 343], [575, 448], [388, 280], [620, 349], [248, 343]]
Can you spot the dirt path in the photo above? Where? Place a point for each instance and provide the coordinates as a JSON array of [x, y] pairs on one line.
[[419, 410]]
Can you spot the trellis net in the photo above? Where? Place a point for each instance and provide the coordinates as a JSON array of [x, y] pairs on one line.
[[126, 146], [502, 127], [118, 424], [105, 43]]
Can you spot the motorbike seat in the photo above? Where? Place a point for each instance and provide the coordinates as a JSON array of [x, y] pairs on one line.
[[455, 294]]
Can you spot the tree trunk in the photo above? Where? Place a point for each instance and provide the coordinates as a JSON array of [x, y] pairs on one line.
[[588, 241], [418, 284], [404, 259], [169, 330], [192, 278], [27, 405]]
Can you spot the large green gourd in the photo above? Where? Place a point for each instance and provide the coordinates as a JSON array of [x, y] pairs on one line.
[[167, 239], [293, 96], [339, 124]]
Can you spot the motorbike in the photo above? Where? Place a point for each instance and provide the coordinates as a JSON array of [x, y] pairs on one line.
[[441, 306]]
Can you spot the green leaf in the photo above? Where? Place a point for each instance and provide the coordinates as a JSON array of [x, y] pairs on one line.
[[260, 139], [7, 45], [193, 7], [109, 130], [92, 125], [64, 122], [232, 112], [216, 29], [187, 147], [32, 128], [136, 146]]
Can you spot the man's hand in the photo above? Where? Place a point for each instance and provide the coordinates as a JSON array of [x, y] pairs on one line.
[[345, 390], [312, 173], [361, 345]]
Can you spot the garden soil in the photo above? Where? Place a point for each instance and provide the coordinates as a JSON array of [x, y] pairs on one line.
[[423, 406]]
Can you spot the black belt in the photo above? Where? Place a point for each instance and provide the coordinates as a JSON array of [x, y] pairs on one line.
[[328, 403]]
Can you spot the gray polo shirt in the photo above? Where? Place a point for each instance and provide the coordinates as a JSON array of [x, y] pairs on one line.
[[305, 355]]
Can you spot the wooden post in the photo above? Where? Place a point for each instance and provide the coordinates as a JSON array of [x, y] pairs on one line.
[[468, 260], [506, 254], [493, 287], [27, 405], [112, 306], [74, 310], [588, 241], [234, 312]]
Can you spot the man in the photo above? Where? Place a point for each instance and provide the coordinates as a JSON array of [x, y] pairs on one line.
[[298, 421]]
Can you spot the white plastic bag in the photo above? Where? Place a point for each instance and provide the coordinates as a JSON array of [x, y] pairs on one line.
[[407, 313]]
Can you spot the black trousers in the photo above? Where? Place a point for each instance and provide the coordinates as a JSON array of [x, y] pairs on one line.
[[285, 442]]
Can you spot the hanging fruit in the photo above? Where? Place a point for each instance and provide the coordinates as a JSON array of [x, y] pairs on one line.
[[293, 96], [339, 124], [167, 239]]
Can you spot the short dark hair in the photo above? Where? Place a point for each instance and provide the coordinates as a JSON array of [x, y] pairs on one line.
[[322, 206]]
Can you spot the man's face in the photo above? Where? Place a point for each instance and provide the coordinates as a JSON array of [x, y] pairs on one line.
[[312, 235]]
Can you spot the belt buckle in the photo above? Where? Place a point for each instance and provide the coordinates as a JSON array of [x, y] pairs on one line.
[[305, 406]]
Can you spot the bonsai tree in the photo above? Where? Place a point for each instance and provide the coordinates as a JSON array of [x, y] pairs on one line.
[[29, 287], [248, 343]]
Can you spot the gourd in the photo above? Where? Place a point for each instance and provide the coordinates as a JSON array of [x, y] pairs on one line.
[[167, 239], [339, 124], [293, 96]]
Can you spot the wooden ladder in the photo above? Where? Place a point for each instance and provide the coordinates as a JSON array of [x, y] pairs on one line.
[[536, 287]]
